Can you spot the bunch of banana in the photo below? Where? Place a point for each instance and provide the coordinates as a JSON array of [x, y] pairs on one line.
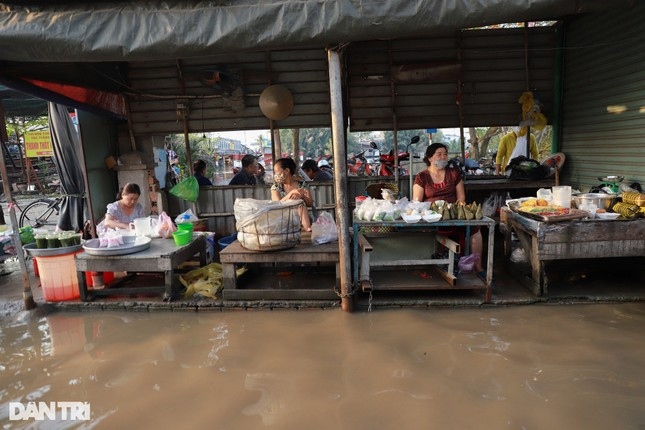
[[634, 198], [627, 210]]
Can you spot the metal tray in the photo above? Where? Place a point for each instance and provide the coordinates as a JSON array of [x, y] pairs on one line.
[[49, 252], [573, 214], [131, 245]]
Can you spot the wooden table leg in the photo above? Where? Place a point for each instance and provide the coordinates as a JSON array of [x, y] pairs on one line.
[[82, 286], [169, 282], [229, 277], [537, 267]]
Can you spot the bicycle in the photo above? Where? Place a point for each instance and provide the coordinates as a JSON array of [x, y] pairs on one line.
[[41, 213]]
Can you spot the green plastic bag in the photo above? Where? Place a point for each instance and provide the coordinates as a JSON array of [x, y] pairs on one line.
[[188, 189]]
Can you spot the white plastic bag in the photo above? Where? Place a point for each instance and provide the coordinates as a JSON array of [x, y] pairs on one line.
[[265, 225], [187, 216], [165, 227], [519, 256], [324, 230], [493, 204]]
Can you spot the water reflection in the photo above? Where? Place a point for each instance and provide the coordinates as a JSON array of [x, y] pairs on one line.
[[522, 367]]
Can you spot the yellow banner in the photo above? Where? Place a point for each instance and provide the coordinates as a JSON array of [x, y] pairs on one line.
[[38, 144]]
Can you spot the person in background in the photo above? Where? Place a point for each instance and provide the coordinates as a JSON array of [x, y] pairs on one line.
[[261, 175], [439, 182], [287, 187], [123, 212], [513, 145], [247, 176], [176, 171], [199, 167], [310, 167]]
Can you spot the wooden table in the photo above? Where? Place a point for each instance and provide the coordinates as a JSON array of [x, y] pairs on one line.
[[305, 253], [543, 242], [396, 245], [162, 256]]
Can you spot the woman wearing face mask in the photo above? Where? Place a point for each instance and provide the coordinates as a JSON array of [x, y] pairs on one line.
[[122, 213], [287, 187], [439, 182]]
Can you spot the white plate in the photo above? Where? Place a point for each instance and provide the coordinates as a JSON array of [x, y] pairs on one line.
[[411, 219], [432, 217], [607, 215]]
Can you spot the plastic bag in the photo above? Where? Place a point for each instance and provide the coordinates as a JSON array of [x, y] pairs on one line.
[[526, 169], [188, 189], [165, 227], [493, 204], [187, 216], [111, 239], [265, 225], [324, 230], [519, 256], [467, 263]]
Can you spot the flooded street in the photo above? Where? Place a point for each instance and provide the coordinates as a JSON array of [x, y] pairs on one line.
[[523, 367]]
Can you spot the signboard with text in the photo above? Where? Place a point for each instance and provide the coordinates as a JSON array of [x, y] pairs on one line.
[[38, 144]]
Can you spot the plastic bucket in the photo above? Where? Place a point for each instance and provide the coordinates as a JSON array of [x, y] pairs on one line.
[[182, 237], [188, 226], [108, 277], [226, 241], [58, 277], [35, 264]]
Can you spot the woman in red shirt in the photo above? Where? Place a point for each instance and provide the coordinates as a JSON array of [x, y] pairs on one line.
[[439, 182]]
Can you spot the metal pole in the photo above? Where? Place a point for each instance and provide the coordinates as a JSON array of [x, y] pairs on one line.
[[340, 179], [411, 172], [462, 137]]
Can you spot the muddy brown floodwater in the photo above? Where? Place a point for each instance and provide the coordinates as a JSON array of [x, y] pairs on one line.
[[525, 367]]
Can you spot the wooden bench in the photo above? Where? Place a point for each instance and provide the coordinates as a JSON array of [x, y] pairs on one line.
[[302, 255]]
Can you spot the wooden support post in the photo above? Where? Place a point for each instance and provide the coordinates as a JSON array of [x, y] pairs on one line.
[[27, 295]]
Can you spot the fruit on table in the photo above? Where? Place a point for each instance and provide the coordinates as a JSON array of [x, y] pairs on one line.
[[534, 202], [549, 210]]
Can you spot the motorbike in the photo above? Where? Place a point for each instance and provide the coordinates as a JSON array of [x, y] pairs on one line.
[[485, 166], [358, 165], [387, 167]]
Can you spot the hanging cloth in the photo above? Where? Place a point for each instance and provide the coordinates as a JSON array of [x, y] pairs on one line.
[[66, 144]]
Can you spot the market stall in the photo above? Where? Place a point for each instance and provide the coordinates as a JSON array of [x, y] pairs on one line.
[[397, 255], [140, 256], [574, 237]]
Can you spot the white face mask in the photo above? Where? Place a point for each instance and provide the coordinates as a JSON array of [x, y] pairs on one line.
[[279, 178], [440, 164]]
